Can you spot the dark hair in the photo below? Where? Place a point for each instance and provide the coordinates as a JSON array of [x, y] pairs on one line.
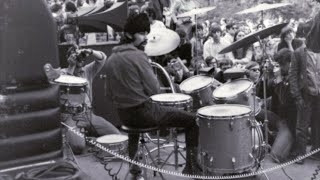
[[225, 61], [230, 25], [209, 59], [283, 56], [215, 29], [285, 31], [244, 49], [251, 64], [55, 7], [181, 32], [151, 12], [193, 29], [137, 23], [70, 7]]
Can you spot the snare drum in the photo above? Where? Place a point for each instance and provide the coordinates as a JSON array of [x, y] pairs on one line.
[[117, 143], [177, 100], [72, 93], [239, 91], [228, 140], [200, 89]]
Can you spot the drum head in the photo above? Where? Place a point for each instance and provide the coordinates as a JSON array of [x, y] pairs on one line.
[[232, 88], [68, 80], [112, 139], [170, 97], [224, 110], [195, 83]]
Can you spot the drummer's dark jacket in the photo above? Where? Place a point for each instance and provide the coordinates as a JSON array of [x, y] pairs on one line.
[[298, 72], [130, 77]]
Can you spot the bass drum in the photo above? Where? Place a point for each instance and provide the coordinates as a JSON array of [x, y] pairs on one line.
[[235, 143]]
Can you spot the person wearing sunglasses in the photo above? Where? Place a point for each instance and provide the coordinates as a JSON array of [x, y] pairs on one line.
[[281, 138]]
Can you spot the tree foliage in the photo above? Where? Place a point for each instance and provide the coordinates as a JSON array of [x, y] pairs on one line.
[[229, 8]]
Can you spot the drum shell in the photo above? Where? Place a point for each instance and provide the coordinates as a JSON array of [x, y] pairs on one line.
[[72, 99], [185, 105], [202, 97], [246, 98], [119, 148], [229, 138]]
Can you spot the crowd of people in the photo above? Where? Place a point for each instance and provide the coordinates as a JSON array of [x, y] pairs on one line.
[[288, 65]]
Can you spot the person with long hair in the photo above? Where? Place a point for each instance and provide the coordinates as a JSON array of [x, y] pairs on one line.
[[242, 55]]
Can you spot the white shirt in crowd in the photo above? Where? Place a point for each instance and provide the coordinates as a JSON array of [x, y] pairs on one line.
[[211, 48]]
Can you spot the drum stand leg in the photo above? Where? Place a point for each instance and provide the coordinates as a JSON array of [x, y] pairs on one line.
[[175, 151]]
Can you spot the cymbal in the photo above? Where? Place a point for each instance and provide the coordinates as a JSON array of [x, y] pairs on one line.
[[161, 41], [254, 37], [196, 11], [263, 7]]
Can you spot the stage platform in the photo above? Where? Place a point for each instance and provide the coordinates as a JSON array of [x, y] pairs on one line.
[[91, 165]]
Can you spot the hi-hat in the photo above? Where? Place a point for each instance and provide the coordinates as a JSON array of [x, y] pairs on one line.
[[254, 37], [263, 7], [196, 11], [161, 41]]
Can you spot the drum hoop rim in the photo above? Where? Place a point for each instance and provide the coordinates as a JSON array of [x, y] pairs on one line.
[[185, 100], [224, 117], [196, 90], [172, 102], [114, 143], [71, 85], [232, 97]]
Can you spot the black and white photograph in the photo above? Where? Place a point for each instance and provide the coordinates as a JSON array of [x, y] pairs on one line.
[[159, 89]]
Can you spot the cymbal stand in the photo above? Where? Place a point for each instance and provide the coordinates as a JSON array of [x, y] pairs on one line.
[[264, 78]]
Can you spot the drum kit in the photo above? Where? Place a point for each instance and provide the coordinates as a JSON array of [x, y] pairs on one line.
[[225, 112]]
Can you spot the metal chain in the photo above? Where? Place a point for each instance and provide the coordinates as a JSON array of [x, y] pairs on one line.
[[173, 173]]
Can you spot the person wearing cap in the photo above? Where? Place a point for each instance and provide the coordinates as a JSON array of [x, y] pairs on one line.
[[130, 84], [304, 78]]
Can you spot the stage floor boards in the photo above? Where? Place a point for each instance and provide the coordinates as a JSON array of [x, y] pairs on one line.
[[91, 165]]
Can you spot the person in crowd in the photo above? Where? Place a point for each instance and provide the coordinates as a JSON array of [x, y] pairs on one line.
[[283, 140], [69, 32], [130, 83], [283, 104], [224, 64], [197, 63], [177, 69], [183, 51], [257, 53], [288, 40], [304, 80], [152, 18], [133, 10], [179, 7], [212, 63], [214, 44], [197, 40], [242, 55], [231, 30], [93, 124]]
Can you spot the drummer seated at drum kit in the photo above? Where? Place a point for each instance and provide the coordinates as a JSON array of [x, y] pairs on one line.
[[283, 140], [93, 124]]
